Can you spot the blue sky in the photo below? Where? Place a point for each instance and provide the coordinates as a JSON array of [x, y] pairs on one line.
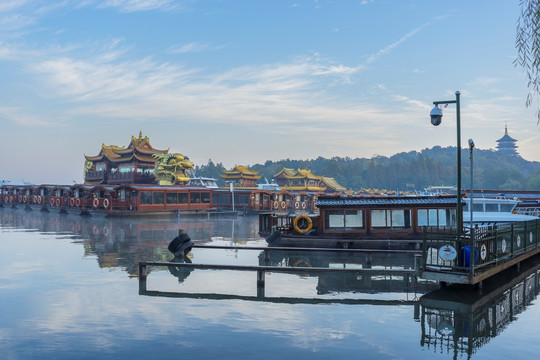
[[242, 82]]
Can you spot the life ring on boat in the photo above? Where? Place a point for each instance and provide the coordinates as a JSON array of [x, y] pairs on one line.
[[297, 205], [34, 199], [302, 262], [25, 198], [77, 202], [95, 230], [302, 224], [304, 205], [283, 205], [95, 202], [106, 231], [51, 202], [39, 199], [71, 201], [276, 204], [57, 201], [106, 203], [20, 198]]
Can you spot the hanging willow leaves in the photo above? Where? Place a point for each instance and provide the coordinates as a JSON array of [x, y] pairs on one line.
[[528, 48]]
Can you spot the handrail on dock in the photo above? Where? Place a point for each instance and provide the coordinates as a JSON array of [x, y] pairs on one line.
[[483, 252], [261, 271]]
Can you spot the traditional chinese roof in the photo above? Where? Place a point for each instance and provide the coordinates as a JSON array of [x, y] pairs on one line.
[[333, 184], [299, 174], [139, 149], [240, 171]]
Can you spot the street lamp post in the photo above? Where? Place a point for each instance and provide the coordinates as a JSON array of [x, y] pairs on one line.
[[436, 117], [471, 147]]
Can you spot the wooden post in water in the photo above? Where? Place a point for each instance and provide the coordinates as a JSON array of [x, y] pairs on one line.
[[260, 283]]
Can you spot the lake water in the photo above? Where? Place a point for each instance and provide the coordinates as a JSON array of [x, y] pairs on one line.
[[69, 289]]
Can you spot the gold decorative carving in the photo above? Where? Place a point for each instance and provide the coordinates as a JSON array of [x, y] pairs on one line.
[[171, 169]]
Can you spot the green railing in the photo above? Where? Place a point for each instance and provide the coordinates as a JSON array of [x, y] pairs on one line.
[[443, 251]]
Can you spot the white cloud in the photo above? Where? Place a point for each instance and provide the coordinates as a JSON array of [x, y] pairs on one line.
[[15, 115], [140, 5], [390, 47], [189, 48]]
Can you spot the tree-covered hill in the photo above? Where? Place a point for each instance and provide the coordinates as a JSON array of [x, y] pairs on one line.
[[409, 170]]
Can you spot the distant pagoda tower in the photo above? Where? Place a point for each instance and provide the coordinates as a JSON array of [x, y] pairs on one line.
[[506, 144]]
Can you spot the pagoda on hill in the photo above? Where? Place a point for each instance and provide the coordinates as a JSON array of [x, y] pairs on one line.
[[242, 177], [506, 144], [139, 163], [305, 180]]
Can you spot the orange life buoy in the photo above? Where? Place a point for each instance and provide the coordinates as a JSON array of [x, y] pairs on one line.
[[305, 226], [51, 202], [304, 205], [20, 198], [276, 204], [95, 202], [297, 205], [95, 230], [71, 201], [34, 199], [283, 204], [57, 201], [106, 203], [78, 202]]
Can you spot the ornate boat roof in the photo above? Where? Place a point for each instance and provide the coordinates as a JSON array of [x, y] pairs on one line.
[[139, 148], [240, 171]]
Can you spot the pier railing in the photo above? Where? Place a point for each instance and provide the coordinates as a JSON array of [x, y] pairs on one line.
[[479, 249]]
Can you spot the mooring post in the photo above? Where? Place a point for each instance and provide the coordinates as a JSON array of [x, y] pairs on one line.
[[142, 271], [260, 283], [142, 278]]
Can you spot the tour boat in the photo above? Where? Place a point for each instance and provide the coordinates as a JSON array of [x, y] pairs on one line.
[[357, 222]]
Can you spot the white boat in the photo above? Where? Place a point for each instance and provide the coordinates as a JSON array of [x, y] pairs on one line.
[[269, 186], [207, 182], [490, 211]]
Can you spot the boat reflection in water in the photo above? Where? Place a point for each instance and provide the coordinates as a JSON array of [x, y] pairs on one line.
[[334, 283], [123, 242], [461, 320]]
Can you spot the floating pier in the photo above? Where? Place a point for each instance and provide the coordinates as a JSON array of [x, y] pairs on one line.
[[495, 248]]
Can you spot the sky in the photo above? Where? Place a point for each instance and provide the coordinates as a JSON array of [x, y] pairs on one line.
[[241, 82]]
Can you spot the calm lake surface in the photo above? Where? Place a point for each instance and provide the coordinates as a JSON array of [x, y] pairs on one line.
[[69, 289]]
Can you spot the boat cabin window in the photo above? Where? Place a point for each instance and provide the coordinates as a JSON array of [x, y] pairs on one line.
[[387, 218], [344, 219], [200, 197], [101, 167], [183, 198], [491, 207], [436, 217], [158, 198], [172, 198], [122, 169], [146, 198]]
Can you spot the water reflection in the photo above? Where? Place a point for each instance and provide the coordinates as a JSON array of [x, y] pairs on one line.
[[123, 242], [457, 320], [332, 283]]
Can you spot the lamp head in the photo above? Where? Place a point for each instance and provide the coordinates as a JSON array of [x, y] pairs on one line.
[[471, 143], [436, 116]]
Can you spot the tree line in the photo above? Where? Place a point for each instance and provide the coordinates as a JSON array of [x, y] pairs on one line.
[[407, 171]]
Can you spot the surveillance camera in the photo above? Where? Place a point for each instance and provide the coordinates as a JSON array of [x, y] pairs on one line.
[[436, 116]]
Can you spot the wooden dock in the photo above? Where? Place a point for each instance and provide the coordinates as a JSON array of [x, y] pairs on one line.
[[496, 248], [406, 272]]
